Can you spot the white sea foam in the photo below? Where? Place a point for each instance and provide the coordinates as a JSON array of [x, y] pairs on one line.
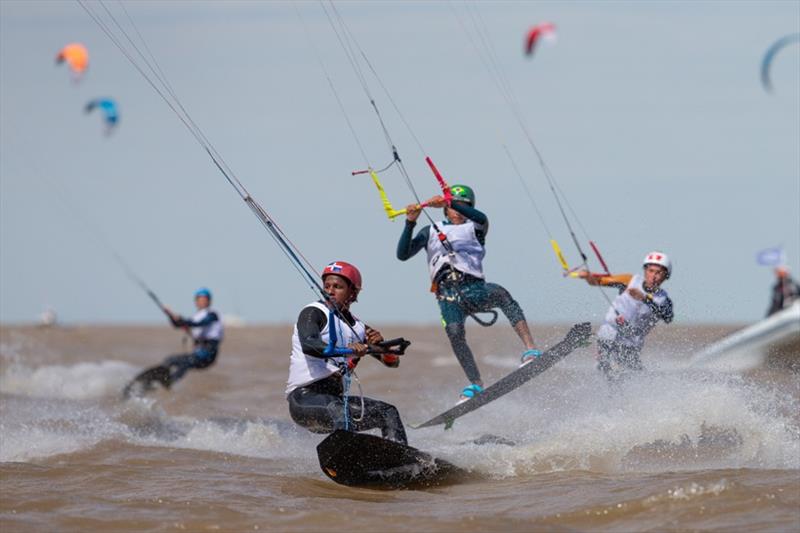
[[36, 429], [653, 422], [78, 381]]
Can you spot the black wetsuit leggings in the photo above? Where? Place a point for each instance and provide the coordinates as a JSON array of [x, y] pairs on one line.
[[458, 299], [319, 407], [179, 364], [175, 367]]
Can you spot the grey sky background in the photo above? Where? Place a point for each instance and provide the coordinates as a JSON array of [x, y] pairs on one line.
[[650, 115]]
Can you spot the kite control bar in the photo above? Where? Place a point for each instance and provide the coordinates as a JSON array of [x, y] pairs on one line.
[[391, 347], [393, 213]]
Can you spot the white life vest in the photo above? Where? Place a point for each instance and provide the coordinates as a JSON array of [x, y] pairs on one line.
[[305, 369], [209, 332], [638, 315], [469, 252]]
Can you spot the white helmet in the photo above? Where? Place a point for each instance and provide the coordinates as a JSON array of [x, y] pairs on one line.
[[658, 258]]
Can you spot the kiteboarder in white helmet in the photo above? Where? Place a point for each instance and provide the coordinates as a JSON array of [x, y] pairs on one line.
[[641, 303]]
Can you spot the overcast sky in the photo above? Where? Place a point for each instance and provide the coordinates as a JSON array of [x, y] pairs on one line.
[[650, 115]]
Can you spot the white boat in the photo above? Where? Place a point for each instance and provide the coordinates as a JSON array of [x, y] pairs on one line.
[[772, 342]]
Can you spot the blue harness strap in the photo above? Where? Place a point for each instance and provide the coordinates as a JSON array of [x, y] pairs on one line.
[[332, 350]]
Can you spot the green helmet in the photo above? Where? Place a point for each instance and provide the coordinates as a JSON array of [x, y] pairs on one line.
[[463, 193]]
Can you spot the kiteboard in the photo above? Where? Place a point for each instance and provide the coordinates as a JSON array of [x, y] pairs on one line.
[[577, 336], [364, 460], [143, 383]]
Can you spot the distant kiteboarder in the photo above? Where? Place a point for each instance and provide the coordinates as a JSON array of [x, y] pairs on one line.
[[455, 249], [48, 318], [206, 330], [327, 344], [641, 303], [785, 291]]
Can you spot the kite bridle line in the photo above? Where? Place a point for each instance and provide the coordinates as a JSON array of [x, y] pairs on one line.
[[491, 63], [81, 216], [159, 83], [349, 45], [352, 51], [347, 41]]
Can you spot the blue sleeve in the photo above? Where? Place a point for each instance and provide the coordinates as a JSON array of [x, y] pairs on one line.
[[478, 217], [208, 319], [408, 247]]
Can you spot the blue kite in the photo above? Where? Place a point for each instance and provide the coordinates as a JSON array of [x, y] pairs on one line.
[[109, 109]]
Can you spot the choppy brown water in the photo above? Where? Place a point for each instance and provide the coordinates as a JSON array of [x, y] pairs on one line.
[[673, 449]]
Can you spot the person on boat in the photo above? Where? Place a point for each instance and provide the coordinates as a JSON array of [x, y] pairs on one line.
[[327, 344], [455, 250], [641, 303], [784, 292], [205, 328]]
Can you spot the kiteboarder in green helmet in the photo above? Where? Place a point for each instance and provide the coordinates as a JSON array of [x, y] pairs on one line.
[[455, 250]]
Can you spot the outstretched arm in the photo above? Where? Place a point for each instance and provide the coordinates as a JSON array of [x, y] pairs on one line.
[[617, 281], [180, 322], [478, 217], [408, 247]]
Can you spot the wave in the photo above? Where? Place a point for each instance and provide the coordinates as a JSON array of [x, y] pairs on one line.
[[650, 423], [569, 420], [78, 381]]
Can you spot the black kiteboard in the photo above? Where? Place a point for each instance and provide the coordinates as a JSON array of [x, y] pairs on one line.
[[364, 460], [143, 383], [577, 336]]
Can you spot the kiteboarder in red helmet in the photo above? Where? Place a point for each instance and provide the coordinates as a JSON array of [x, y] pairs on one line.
[[641, 303], [327, 343]]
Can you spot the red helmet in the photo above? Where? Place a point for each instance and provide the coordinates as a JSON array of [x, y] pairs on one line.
[[346, 270]]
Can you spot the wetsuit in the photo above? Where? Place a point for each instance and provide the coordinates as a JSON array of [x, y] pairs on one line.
[[207, 331], [458, 279], [784, 293], [317, 370], [622, 344]]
